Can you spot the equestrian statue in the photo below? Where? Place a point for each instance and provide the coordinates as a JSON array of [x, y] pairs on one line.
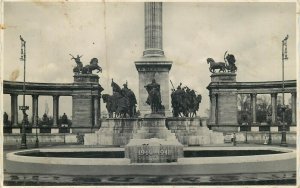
[[185, 102], [122, 103]]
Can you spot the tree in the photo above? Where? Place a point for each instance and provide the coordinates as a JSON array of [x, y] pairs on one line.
[[264, 109], [244, 108]]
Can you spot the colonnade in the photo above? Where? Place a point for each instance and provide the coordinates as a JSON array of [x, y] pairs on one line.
[[253, 96], [273, 107], [35, 101]]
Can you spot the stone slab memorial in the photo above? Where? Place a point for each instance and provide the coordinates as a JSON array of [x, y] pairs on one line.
[[153, 142]]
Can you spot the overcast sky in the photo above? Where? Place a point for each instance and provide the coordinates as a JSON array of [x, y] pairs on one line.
[[114, 33]]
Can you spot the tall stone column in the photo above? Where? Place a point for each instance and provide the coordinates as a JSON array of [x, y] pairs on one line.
[[35, 110], [294, 107], [55, 110], [153, 64], [253, 107], [14, 109], [213, 109], [153, 29], [274, 107], [96, 110]]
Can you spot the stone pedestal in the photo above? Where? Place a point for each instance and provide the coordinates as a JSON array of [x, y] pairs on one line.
[[153, 150], [153, 143], [154, 128], [113, 132], [54, 130], [223, 102], [150, 68], [84, 112], [16, 130], [190, 132]]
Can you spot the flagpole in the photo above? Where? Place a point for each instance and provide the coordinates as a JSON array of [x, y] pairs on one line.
[[283, 108]]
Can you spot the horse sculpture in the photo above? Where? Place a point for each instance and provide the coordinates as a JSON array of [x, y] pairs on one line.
[[215, 65], [88, 69], [185, 102]]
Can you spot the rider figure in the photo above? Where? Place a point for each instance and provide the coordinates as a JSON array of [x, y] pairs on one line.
[[78, 63], [231, 62]]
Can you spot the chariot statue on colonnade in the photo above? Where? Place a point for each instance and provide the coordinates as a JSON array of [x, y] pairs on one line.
[[87, 69], [227, 66]]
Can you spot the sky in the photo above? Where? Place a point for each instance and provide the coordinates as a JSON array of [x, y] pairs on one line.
[[114, 33]]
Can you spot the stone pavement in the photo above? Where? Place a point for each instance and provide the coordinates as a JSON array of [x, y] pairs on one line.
[[285, 178]]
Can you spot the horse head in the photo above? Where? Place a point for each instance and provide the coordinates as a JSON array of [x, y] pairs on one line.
[[94, 61], [210, 60], [105, 97]]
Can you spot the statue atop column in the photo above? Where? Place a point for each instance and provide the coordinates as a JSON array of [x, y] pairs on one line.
[[87, 69], [154, 97]]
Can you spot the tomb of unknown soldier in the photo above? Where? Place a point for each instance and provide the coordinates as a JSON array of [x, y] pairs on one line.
[[155, 132]]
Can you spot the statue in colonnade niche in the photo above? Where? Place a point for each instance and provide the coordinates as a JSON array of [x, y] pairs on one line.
[[5, 120], [45, 120], [87, 69]]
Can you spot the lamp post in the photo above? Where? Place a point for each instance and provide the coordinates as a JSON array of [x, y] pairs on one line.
[[283, 108], [35, 119], [24, 107]]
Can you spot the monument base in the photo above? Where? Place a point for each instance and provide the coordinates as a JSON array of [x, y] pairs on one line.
[[113, 132], [225, 128], [153, 150], [153, 142], [190, 132]]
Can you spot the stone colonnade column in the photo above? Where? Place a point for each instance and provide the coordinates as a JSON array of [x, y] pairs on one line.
[[294, 107], [274, 107], [96, 110], [213, 103], [55, 110], [14, 109], [35, 111], [253, 107]]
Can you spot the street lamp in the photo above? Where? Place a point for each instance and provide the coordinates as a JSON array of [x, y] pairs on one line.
[[24, 107], [283, 108], [36, 133]]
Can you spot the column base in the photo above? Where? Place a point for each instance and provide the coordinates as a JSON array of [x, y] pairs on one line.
[[54, 130]]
